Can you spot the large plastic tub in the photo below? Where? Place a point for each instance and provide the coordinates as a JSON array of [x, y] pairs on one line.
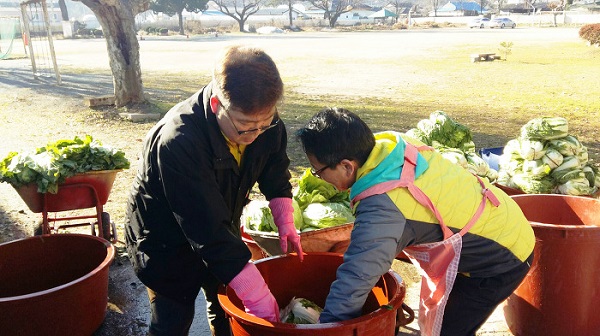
[[54, 284], [560, 295], [287, 277]]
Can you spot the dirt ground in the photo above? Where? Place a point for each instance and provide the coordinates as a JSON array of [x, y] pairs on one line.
[[26, 123]]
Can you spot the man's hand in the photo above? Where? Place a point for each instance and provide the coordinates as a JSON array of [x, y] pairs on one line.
[[251, 288], [283, 215]]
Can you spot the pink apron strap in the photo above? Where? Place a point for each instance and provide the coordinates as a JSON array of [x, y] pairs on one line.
[[383, 187], [487, 195], [407, 178]]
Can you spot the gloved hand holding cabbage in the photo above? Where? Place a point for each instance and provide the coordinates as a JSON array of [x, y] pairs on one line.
[[316, 205]]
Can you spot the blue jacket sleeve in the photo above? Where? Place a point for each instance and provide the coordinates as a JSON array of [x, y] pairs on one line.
[[374, 244]]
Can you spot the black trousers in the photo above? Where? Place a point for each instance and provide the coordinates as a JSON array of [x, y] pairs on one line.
[[174, 318], [473, 300]]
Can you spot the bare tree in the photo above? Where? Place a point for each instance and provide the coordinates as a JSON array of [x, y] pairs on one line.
[[171, 7], [529, 5], [290, 9], [333, 8], [482, 4], [556, 6], [399, 6], [117, 18], [239, 10], [499, 5], [435, 4]]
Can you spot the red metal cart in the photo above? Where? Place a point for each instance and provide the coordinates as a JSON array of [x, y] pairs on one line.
[[83, 191]]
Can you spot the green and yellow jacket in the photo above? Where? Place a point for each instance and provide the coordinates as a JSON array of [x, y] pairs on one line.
[[385, 224]]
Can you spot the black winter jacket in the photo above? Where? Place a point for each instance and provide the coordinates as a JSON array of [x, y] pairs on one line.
[[187, 198]]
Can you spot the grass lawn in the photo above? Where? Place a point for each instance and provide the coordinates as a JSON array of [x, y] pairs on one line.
[[394, 88]]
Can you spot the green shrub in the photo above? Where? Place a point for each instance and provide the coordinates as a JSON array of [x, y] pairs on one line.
[[590, 33], [164, 31]]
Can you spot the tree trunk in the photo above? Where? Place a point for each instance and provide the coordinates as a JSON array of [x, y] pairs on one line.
[[241, 24], [118, 24], [63, 10], [290, 8], [180, 17], [333, 19], [66, 25]]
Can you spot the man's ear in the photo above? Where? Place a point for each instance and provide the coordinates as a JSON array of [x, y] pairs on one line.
[[214, 103], [350, 167]]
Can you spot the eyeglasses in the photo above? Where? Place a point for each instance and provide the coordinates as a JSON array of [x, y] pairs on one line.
[[253, 130], [318, 172]]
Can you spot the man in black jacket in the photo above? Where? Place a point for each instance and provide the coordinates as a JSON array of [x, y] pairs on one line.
[[197, 168]]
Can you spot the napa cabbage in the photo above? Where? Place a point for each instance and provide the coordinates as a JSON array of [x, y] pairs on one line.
[[50, 165], [301, 311], [324, 215], [545, 128]]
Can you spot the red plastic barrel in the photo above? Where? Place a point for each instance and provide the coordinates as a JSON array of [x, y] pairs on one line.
[[287, 277], [54, 284], [560, 295]]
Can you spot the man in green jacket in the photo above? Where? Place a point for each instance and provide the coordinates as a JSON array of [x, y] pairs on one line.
[[471, 240]]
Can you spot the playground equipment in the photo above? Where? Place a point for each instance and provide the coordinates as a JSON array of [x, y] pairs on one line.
[[9, 28], [38, 34]]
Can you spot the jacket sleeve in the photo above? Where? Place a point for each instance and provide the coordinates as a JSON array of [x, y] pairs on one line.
[[190, 187], [374, 244], [274, 181]]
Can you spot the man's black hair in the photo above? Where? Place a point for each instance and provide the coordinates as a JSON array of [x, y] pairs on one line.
[[335, 134]]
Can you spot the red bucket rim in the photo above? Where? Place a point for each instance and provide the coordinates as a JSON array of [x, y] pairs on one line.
[[246, 318], [110, 253]]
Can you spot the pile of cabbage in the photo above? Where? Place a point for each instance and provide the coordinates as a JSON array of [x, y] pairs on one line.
[[50, 165], [546, 159], [317, 205], [454, 141]]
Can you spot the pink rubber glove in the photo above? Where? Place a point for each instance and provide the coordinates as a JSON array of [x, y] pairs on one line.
[[251, 288], [283, 215]]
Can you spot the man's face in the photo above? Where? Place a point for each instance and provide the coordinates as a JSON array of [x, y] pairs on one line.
[[341, 175], [241, 128]]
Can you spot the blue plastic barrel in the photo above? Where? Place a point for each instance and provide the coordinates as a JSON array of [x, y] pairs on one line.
[[491, 156]]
